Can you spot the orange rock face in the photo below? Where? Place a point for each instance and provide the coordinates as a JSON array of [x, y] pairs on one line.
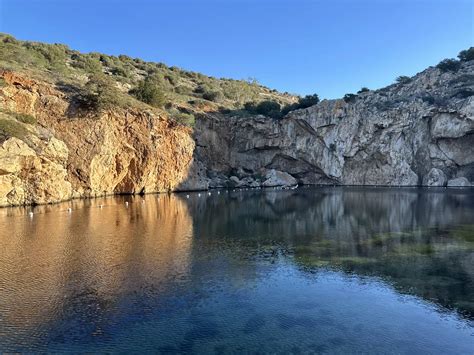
[[67, 155]]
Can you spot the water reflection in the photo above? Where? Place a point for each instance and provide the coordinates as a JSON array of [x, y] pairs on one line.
[[420, 240], [58, 264], [228, 271]]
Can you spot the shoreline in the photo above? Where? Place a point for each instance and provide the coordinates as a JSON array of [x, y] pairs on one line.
[[235, 189]]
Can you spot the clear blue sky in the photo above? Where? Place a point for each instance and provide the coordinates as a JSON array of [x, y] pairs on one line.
[[329, 47]]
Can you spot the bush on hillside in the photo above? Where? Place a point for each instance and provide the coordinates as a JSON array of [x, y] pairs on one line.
[[449, 65], [266, 108], [21, 117], [183, 90], [172, 78], [184, 119], [99, 94], [24, 118], [202, 88], [8, 39], [120, 71], [149, 91], [88, 64], [308, 100], [350, 98], [466, 55], [215, 96], [239, 90], [362, 90], [303, 102], [10, 128], [403, 79]]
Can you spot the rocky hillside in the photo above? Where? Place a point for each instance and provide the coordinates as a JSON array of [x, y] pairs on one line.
[[419, 131], [173, 91], [62, 138]]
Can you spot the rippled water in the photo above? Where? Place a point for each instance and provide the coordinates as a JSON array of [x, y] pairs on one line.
[[325, 270]]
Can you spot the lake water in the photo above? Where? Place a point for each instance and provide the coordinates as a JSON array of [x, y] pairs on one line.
[[320, 270]]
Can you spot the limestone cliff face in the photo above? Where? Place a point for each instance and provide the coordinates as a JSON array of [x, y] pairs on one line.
[[65, 156], [417, 133]]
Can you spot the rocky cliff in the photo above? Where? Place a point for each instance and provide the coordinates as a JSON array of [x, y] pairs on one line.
[[65, 155], [414, 133], [419, 132]]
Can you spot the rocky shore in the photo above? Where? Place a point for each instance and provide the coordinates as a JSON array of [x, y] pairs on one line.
[[416, 133]]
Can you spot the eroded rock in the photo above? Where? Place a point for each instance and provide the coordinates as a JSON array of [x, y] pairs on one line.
[[435, 177], [459, 182], [392, 136], [278, 178]]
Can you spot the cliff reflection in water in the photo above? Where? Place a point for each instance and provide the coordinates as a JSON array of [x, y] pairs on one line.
[[53, 263], [114, 277], [420, 240]]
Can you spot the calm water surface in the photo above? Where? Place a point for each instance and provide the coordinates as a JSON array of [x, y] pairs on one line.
[[321, 270]]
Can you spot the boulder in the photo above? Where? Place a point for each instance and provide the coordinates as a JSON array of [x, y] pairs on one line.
[[459, 182], [435, 177], [278, 178]]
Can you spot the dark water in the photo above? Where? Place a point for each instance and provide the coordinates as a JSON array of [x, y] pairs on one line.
[[317, 270]]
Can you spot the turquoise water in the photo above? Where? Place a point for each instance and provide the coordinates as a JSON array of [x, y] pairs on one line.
[[312, 270]]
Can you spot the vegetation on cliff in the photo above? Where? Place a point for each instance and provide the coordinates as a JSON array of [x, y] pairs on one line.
[[13, 124], [99, 81]]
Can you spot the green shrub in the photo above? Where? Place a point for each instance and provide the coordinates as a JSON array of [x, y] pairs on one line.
[[25, 118], [149, 91], [466, 55], [308, 100], [215, 96], [100, 94], [125, 58], [350, 98], [362, 90], [250, 107], [239, 91], [9, 39], [184, 119], [55, 55], [303, 102], [202, 88], [266, 108], [86, 63], [403, 79], [172, 78], [11, 128], [21, 117], [449, 65], [198, 103], [120, 71], [183, 90]]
